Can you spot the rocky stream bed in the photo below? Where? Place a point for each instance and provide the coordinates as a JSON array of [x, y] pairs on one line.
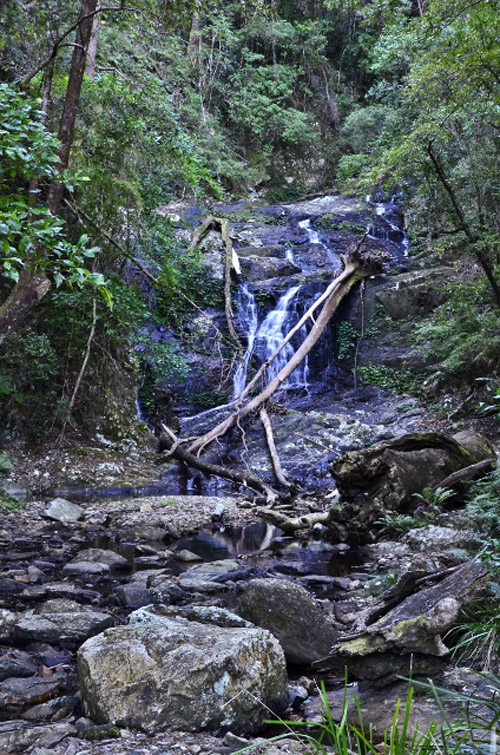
[[134, 623]]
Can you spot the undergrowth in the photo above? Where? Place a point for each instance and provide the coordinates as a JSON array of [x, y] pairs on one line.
[[472, 729]]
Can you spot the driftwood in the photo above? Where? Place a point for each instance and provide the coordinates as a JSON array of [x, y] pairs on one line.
[[293, 524], [273, 451]]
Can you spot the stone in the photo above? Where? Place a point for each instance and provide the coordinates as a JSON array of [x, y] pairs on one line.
[[187, 556], [181, 674], [208, 577], [294, 616], [53, 710], [19, 736], [133, 595], [7, 622], [84, 569], [213, 615], [18, 692], [432, 538], [102, 556], [61, 621], [61, 510], [15, 662]]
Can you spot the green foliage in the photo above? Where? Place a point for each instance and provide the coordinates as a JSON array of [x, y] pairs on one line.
[[8, 504], [395, 380], [31, 235], [483, 503], [5, 465], [347, 337], [434, 498], [462, 331], [354, 734], [329, 223]]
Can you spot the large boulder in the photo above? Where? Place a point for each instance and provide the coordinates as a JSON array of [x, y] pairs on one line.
[[385, 477], [174, 673], [294, 617]]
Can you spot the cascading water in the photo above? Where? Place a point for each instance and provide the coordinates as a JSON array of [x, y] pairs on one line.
[[247, 315], [389, 231], [262, 341], [313, 238]]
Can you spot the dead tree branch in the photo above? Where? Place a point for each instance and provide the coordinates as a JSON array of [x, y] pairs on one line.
[[273, 451], [356, 267]]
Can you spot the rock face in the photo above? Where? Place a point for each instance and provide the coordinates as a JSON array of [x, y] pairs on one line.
[[386, 477], [294, 617], [181, 674]]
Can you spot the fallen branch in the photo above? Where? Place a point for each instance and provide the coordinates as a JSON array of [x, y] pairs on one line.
[[292, 524], [273, 451], [175, 450], [467, 473], [82, 369], [356, 267]]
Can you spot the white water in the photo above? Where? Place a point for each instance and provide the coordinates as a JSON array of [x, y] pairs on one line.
[[313, 238], [263, 340], [247, 314], [383, 234]]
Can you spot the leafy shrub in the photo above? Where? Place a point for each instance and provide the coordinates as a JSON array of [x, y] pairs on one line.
[[483, 503], [396, 380]]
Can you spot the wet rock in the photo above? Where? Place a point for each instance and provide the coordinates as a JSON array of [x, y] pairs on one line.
[[19, 736], [15, 662], [294, 616], [83, 569], [61, 510], [187, 556], [62, 622], [297, 694], [53, 710], [133, 595], [432, 538], [182, 674], [260, 268], [17, 693], [208, 577], [102, 556], [9, 588]]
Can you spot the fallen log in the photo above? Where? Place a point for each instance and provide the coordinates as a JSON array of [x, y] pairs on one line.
[[293, 524], [171, 444], [380, 648]]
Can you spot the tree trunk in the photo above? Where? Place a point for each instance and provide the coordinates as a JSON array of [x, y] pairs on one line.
[[34, 284], [25, 295], [68, 118], [92, 48]]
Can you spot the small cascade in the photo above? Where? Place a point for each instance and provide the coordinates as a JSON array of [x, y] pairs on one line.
[[313, 238], [389, 231], [263, 340], [247, 315]]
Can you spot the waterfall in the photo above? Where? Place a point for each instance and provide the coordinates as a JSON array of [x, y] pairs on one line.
[[391, 231], [313, 238], [263, 340], [247, 315]]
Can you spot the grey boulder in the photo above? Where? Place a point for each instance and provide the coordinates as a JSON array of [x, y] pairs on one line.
[[293, 616], [181, 674], [61, 621], [61, 510]]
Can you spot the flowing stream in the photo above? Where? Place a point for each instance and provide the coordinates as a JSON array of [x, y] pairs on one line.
[[264, 339]]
